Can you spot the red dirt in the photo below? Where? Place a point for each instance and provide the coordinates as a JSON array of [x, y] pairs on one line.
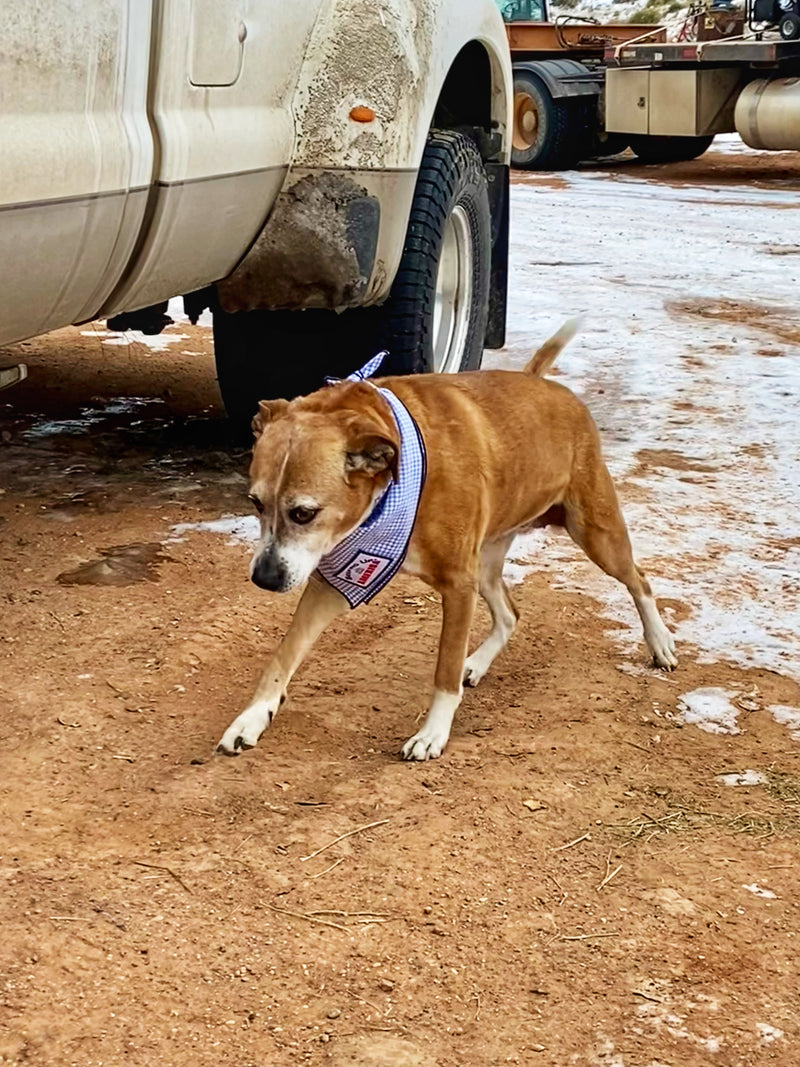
[[160, 905]]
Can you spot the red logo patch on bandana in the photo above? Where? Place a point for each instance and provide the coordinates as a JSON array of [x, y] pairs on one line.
[[364, 569]]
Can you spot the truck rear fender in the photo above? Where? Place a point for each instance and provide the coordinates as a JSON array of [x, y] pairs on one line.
[[564, 77], [335, 237]]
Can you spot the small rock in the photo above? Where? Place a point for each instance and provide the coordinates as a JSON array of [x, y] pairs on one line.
[[334, 1013], [386, 984], [427, 911], [439, 930]]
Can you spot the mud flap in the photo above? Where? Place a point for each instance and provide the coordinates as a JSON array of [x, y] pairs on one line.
[[317, 250], [498, 177]]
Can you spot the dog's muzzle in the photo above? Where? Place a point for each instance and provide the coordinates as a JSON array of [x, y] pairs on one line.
[[268, 572]]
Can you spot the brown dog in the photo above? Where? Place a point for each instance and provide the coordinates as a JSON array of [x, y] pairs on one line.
[[506, 452]]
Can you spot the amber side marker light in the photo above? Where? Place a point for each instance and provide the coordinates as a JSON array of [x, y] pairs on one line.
[[362, 114]]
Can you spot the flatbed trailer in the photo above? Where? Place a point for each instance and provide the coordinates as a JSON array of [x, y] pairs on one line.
[[759, 55]]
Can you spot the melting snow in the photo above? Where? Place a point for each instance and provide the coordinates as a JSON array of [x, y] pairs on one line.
[[759, 891], [787, 716], [237, 528], [710, 709], [689, 360], [159, 342], [743, 778], [90, 416], [768, 1033]]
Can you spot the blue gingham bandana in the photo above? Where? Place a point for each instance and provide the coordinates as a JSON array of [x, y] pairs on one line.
[[369, 557]]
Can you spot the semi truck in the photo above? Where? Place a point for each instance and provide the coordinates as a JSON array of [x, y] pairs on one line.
[[583, 90]]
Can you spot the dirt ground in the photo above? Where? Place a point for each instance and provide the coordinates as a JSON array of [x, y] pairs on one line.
[[570, 884]]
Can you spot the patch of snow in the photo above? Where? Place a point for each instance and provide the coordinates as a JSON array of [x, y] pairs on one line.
[[787, 716], [159, 342], [90, 416], [743, 778], [716, 526], [768, 1033], [176, 312], [711, 709], [759, 891], [673, 1023], [239, 529]]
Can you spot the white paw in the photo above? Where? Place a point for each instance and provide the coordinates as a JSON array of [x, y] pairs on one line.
[[427, 744], [662, 644], [474, 670], [245, 730]]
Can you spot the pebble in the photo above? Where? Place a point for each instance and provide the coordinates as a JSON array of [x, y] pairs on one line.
[[334, 1013], [386, 984]]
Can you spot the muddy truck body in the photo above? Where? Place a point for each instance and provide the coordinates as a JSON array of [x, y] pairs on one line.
[[325, 176]]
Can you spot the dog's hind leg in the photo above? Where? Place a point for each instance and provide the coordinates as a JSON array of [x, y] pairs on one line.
[[319, 605], [595, 523], [458, 607], [504, 613]]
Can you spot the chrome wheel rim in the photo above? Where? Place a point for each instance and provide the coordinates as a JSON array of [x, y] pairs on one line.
[[453, 300]]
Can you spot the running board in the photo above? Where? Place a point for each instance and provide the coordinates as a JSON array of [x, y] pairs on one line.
[[13, 375]]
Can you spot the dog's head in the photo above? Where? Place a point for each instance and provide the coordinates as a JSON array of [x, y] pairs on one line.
[[320, 464]]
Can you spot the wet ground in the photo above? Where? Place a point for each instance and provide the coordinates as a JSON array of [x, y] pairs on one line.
[[600, 871]]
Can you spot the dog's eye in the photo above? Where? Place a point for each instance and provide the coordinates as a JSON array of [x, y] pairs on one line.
[[302, 516], [256, 503]]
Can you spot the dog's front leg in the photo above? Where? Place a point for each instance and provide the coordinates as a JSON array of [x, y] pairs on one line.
[[458, 607], [319, 605]]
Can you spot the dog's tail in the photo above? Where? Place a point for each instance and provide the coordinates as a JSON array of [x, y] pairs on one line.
[[544, 358]]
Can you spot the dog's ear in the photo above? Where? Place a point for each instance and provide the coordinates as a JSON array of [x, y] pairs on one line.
[[268, 411], [372, 447]]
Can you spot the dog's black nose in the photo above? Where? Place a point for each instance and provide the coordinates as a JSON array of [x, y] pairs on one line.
[[269, 573]]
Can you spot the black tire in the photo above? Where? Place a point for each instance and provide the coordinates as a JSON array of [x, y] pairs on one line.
[[451, 183], [262, 355], [547, 131], [789, 26], [651, 149]]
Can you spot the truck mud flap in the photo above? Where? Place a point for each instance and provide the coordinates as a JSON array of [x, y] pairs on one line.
[[316, 250], [499, 200]]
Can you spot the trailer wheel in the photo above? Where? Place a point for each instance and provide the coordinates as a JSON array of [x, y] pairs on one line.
[[789, 27], [434, 319], [547, 133], [651, 149]]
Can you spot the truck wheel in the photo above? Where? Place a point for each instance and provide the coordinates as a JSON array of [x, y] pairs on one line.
[[545, 135], [650, 149], [789, 27], [434, 318]]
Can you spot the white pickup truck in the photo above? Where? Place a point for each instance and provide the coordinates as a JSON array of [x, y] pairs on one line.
[[325, 175]]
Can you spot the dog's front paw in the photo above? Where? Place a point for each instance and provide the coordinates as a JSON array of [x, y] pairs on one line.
[[427, 744], [662, 645], [474, 670], [245, 731]]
